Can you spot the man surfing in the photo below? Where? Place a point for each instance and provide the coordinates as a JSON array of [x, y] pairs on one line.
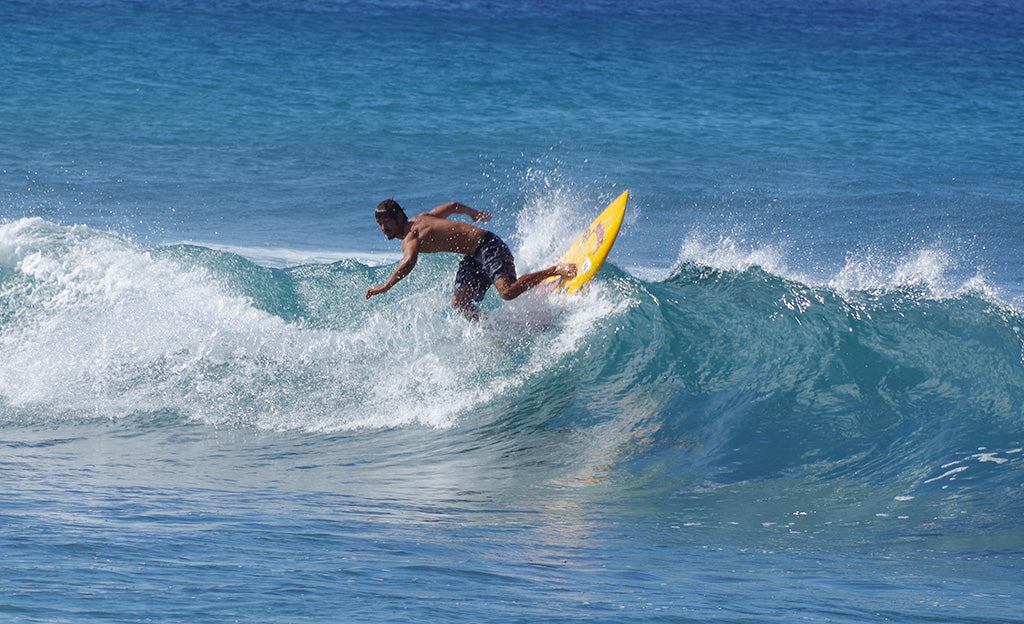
[[487, 259]]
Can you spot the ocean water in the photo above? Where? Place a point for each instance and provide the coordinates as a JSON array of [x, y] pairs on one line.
[[795, 393]]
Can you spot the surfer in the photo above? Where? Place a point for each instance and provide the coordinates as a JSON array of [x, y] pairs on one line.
[[487, 259]]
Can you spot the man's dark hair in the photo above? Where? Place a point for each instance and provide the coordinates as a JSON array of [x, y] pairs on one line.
[[389, 209]]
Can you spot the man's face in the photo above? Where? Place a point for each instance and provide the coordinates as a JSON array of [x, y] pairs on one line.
[[389, 226]]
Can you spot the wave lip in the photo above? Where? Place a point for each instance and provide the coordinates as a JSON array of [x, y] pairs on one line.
[[934, 271]]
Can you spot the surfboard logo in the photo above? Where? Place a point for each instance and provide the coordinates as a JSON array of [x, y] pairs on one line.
[[597, 231]]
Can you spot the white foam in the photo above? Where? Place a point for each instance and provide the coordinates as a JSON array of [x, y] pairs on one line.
[[729, 253], [949, 473], [932, 269], [103, 329]]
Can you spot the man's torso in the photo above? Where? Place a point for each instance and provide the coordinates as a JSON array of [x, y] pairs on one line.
[[440, 235]]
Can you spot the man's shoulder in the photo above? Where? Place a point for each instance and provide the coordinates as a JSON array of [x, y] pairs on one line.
[[422, 225], [424, 219]]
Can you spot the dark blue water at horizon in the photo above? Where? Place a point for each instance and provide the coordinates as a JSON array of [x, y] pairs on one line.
[[794, 393]]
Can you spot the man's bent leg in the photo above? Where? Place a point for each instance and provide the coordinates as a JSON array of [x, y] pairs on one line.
[[509, 289]]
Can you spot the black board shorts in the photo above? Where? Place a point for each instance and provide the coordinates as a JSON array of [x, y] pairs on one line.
[[491, 260]]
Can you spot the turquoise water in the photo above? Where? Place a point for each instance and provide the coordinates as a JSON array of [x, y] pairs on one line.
[[795, 393]]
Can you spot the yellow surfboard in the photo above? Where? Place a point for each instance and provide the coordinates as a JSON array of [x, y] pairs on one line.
[[591, 248]]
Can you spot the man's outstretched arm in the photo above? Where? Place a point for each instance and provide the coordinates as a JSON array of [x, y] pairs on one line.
[[410, 254], [446, 210]]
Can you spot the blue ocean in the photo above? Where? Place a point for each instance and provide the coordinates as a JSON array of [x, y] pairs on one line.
[[794, 393]]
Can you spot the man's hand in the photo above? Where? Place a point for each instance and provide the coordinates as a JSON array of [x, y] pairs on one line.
[[376, 290]]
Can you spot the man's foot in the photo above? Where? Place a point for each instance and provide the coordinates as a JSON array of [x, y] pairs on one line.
[[566, 270]]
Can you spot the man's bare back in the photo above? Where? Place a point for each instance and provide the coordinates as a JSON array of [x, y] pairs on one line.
[[434, 232], [438, 234]]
